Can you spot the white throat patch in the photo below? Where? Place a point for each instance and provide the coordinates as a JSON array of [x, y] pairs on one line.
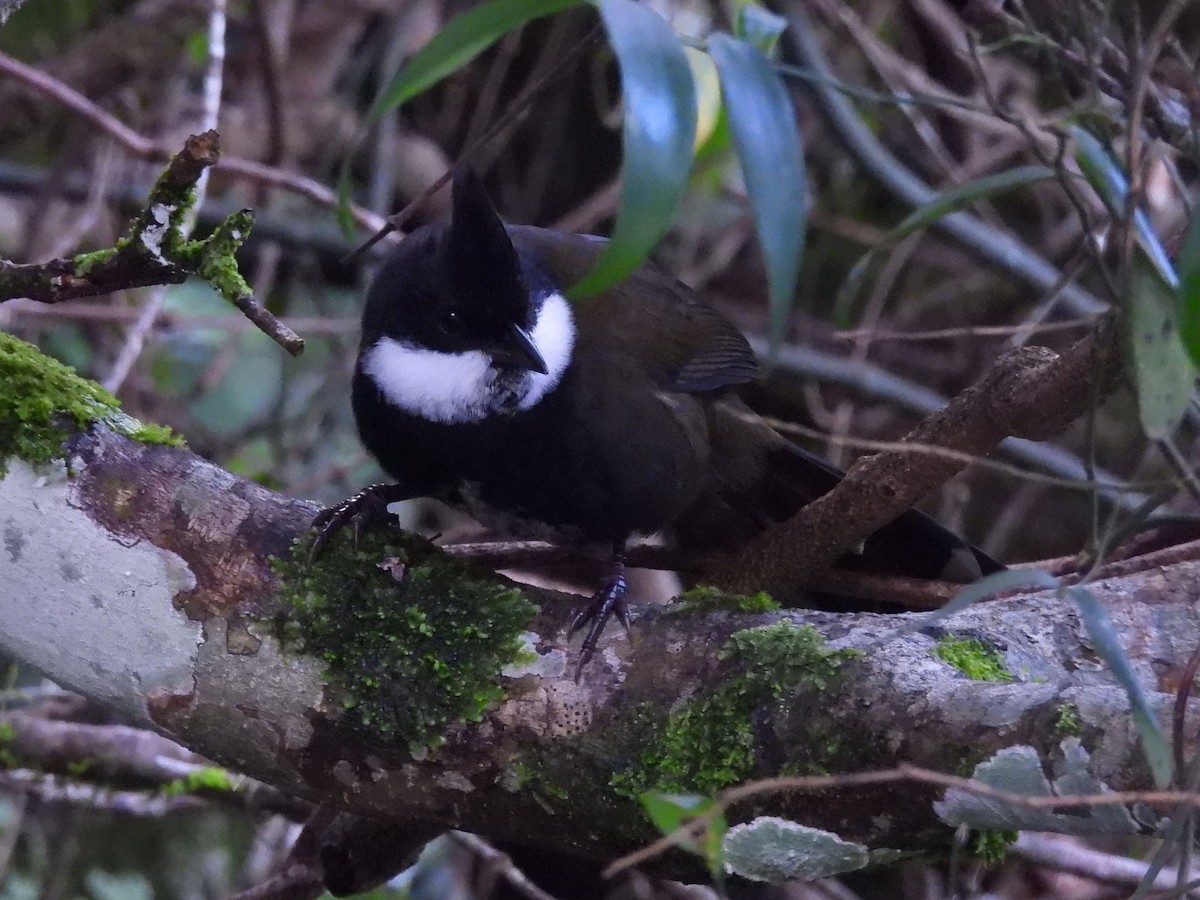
[[465, 387]]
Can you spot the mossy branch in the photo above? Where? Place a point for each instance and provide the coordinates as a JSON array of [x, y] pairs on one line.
[[154, 251], [411, 687]]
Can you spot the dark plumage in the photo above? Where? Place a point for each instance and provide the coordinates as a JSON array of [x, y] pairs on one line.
[[476, 385]]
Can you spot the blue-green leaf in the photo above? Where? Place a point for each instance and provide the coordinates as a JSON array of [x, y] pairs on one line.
[[962, 195], [1104, 638], [660, 125], [1163, 375], [988, 586], [759, 27], [1188, 298], [1109, 181], [458, 42], [768, 146]]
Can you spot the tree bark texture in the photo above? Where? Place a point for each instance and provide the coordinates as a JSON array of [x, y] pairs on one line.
[[140, 575]]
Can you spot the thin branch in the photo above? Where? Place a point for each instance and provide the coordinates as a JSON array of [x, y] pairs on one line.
[[1029, 392], [1068, 856], [56, 789], [501, 862], [155, 251], [901, 773], [152, 151]]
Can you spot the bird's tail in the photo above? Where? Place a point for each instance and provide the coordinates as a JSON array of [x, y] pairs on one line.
[[912, 544]]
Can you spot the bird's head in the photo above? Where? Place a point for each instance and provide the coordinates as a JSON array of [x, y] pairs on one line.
[[457, 326]]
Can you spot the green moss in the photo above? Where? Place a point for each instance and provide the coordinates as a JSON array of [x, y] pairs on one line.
[[85, 262], [8, 757], [214, 258], [1066, 722], [407, 649], [709, 742], [42, 400], [704, 599], [990, 846], [973, 658], [206, 778]]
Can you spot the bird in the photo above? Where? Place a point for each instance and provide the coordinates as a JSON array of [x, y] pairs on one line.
[[479, 383]]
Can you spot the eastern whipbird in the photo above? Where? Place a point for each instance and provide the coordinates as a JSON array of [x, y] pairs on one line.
[[480, 384]]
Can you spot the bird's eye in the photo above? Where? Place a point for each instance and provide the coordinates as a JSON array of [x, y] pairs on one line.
[[450, 321]]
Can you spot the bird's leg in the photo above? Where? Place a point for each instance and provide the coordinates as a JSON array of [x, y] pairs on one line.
[[607, 601], [366, 510]]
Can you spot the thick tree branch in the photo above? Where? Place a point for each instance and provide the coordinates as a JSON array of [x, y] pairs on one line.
[[153, 566]]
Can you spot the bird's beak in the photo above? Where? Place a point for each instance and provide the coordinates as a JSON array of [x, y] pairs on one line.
[[518, 350]]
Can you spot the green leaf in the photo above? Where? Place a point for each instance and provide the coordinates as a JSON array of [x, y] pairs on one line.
[[670, 812], [1104, 638], [768, 146], [773, 849], [1108, 179], [458, 42], [1163, 375], [1188, 299], [948, 201], [660, 124]]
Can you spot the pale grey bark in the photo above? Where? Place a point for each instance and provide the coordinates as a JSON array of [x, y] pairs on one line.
[[142, 581]]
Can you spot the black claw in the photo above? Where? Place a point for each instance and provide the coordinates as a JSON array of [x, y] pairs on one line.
[[606, 602], [366, 510]]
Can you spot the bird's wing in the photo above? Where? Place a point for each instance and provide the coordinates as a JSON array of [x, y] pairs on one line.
[[680, 342]]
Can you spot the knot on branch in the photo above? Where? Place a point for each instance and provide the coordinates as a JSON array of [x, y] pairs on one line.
[[1014, 391]]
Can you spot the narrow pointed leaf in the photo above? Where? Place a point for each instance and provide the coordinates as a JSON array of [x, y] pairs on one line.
[[1163, 375], [767, 140], [660, 125], [951, 200], [1108, 645], [1188, 299], [988, 586], [1108, 179], [458, 42], [963, 195]]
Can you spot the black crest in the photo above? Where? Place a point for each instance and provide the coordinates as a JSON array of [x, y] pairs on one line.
[[480, 257]]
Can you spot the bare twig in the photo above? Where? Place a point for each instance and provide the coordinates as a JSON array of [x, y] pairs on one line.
[[144, 148], [510, 116], [155, 251], [517, 879]]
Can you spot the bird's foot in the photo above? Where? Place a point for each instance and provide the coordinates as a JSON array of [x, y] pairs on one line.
[[606, 602], [366, 510]]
